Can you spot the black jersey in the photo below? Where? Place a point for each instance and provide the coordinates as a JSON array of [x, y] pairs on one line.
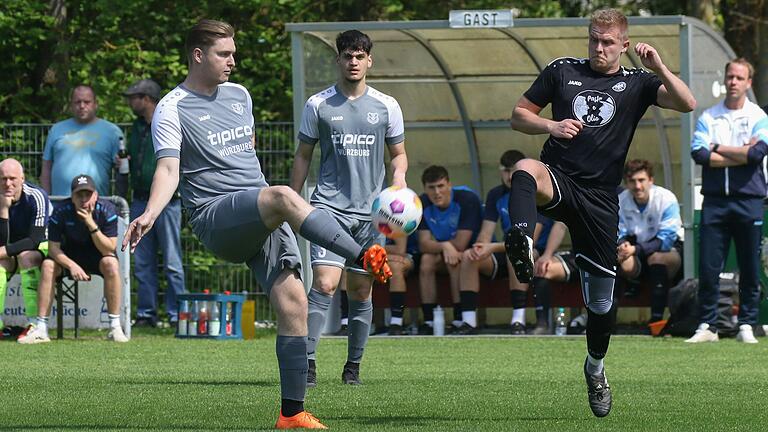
[[609, 106]]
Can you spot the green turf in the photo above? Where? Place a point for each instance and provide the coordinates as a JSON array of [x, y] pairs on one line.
[[157, 383]]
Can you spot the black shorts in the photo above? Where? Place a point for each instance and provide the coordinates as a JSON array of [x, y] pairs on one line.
[[568, 261], [87, 259], [592, 216], [500, 270], [643, 264]]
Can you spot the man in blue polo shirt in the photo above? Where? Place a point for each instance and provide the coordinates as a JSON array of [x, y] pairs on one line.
[[24, 211], [450, 224], [83, 240]]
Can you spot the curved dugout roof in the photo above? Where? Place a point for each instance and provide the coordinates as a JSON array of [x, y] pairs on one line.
[[457, 87]]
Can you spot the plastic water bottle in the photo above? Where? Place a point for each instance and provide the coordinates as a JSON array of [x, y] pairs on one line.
[[183, 318], [214, 324], [560, 328], [202, 316], [192, 327], [438, 322], [122, 156], [228, 316]]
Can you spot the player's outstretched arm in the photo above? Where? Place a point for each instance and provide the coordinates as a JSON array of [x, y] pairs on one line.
[[164, 184], [673, 93], [526, 119]]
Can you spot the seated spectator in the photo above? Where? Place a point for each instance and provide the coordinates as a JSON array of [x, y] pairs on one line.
[[401, 262], [450, 224], [24, 211], [650, 233], [83, 241]]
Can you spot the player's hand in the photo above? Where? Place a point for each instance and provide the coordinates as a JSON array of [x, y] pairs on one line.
[[136, 230], [479, 251], [567, 128], [6, 200], [78, 273], [649, 56], [541, 266], [85, 214], [451, 256], [399, 181]]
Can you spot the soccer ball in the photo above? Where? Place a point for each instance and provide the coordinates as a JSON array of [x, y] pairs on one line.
[[396, 212]]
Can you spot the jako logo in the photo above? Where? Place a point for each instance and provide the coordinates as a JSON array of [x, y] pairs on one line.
[[205, 117], [228, 135], [350, 139], [337, 118], [573, 82]]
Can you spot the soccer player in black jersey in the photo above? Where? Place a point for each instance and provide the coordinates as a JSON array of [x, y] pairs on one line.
[[596, 105]]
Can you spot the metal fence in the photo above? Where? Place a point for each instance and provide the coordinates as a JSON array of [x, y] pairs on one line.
[[274, 147]]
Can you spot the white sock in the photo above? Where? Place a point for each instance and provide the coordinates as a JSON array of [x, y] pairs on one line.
[[42, 324], [345, 321], [114, 320], [594, 366], [396, 321], [518, 315], [469, 317]]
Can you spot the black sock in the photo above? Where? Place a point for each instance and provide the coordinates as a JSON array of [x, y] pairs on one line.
[[657, 274], [457, 311], [522, 202], [344, 305], [428, 309], [290, 408], [519, 298], [599, 329], [396, 304], [541, 294], [468, 301]]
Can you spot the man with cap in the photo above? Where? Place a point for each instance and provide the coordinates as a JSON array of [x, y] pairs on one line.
[[82, 239], [165, 236]]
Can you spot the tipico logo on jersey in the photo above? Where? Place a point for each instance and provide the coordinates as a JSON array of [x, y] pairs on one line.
[[349, 144], [594, 108], [237, 107], [373, 117]]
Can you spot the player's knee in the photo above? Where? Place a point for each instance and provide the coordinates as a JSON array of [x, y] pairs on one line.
[[325, 285], [600, 306], [284, 196], [29, 259], [109, 266]]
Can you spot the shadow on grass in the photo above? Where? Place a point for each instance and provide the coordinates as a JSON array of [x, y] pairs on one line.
[[200, 382]]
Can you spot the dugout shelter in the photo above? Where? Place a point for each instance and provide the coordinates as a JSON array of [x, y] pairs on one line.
[[457, 88]]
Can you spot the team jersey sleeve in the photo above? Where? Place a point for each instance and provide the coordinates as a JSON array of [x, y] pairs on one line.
[[166, 130], [543, 88], [491, 213], [470, 218], [308, 130], [669, 226], [395, 129], [700, 143], [108, 220], [651, 84], [56, 225]]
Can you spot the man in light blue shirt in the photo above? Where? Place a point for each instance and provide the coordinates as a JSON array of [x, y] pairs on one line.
[[82, 144]]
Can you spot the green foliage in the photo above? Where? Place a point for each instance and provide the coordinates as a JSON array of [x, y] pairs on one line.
[[111, 44]]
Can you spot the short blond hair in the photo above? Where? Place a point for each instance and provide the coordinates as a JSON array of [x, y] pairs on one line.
[[610, 18], [205, 33], [742, 61]]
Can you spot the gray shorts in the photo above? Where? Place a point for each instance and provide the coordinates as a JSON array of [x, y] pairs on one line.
[[362, 231], [231, 228]]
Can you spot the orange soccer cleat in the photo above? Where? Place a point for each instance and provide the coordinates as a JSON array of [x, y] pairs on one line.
[[375, 262], [302, 420]]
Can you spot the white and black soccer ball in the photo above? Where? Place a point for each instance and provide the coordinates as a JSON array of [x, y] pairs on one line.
[[396, 211]]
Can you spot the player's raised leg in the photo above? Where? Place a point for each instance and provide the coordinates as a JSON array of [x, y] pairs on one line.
[[531, 187]]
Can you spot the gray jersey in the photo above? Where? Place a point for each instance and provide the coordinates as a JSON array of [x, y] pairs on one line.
[[352, 136], [212, 137]]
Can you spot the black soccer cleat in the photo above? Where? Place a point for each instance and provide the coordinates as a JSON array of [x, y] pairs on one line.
[[395, 330], [351, 374], [599, 393], [311, 374], [466, 330], [520, 253], [517, 329]]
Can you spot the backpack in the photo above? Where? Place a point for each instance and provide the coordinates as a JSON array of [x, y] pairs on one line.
[[683, 302]]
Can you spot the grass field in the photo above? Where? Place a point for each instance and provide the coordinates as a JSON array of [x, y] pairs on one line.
[[158, 383]]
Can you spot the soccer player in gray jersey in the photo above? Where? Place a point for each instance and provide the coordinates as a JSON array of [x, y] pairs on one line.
[[353, 123], [204, 129]]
